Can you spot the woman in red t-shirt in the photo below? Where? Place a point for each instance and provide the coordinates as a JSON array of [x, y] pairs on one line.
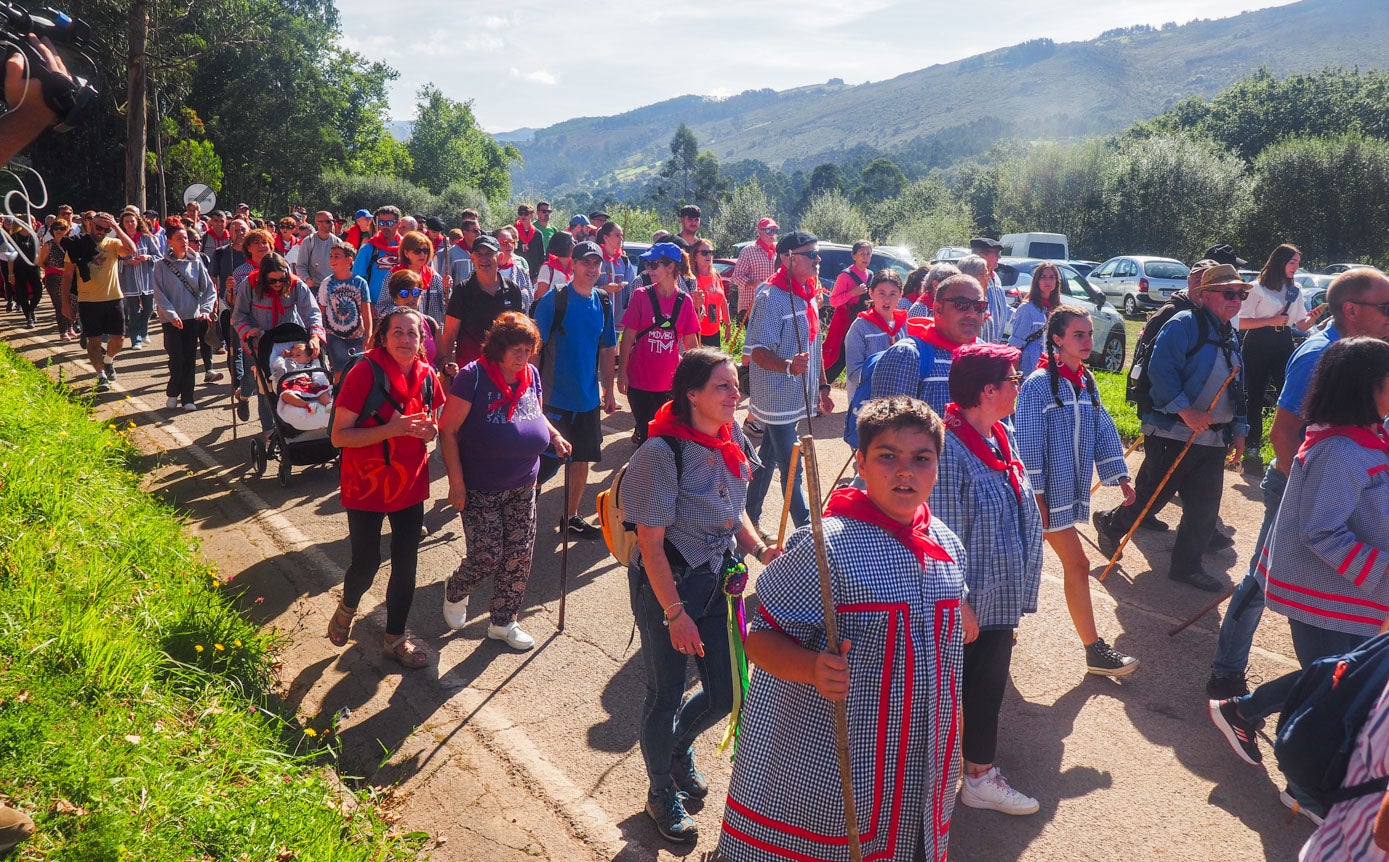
[[385, 472], [711, 302]]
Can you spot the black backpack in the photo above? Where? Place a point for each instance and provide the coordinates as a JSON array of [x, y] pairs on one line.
[[545, 361], [377, 397], [657, 321], [1138, 388]]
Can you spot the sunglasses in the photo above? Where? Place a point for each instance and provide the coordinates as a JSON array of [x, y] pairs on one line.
[[283, 279], [1381, 307], [1231, 294], [386, 222], [705, 253], [407, 292], [812, 255], [769, 231], [546, 212], [962, 305], [1013, 378]]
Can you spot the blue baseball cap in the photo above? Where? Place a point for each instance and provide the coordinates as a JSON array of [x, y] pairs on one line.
[[361, 214], [578, 220], [667, 250]]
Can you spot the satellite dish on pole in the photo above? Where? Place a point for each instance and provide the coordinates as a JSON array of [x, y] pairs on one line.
[[202, 195]]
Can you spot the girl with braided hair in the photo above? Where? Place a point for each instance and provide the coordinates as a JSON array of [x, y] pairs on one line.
[[1030, 320], [1064, 434]]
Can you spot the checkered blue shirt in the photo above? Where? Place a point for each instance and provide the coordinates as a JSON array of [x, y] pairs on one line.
[[778, 323], [899, 373]]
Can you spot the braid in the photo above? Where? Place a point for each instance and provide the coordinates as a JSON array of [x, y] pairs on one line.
[[1051, 370], [1090, 382]]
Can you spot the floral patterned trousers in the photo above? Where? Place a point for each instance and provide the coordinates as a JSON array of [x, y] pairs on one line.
[[500, 529]]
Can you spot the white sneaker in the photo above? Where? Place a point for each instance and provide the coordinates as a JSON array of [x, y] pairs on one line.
[[171, 404], [512, 634], [212, 376], [1296, 807], [189, 405], [456, 613], [991, 791]]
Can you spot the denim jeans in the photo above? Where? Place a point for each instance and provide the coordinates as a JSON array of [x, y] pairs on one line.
[[1310, 643], [235, 358], [669, 727], [1247, 603], [137, 316], [775, 453]]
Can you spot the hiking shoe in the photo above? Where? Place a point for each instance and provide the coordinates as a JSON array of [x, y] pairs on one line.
[[689, 779], [1252, 466], [103, 383], [1106, 536], [189, 405], [212, 376], [991, 791], [1198, 579], [667, 809], [110, 368], [171, 404], [583, 529], [1225, 687], [1105, 660], [1219, 542], [1238, 730], [512, 634], [1292, 803]]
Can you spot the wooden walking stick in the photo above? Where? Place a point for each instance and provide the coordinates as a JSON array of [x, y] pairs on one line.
[[842, 471], [1170, 470], [1209, 606], [822, 561], [564, 544], [786, 496], [1127, 452]]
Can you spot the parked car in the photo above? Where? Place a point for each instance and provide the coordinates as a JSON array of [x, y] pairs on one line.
[[1047, 246], [722, 265], [1338, 268], [1310, 281], [947, 253], [1111, 336], [1138, 283], [1084, 267]]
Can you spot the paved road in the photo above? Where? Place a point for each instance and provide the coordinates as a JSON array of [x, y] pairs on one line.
[[523, 756]]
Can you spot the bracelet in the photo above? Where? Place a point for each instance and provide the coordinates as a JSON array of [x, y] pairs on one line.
[[825, 387], [668, 620], [788, 368], [666, 610], [757, 554]]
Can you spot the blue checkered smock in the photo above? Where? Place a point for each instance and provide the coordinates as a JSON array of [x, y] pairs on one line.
[[1002, 537], [899, 373], [778, 323], [905, 625]]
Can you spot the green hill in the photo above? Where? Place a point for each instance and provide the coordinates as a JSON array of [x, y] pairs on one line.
[[1037, 89]]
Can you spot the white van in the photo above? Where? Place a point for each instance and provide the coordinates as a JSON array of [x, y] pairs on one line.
[[1047, 246]]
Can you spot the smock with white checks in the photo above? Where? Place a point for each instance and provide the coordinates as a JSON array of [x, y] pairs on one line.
[[899, 373], [778, 323]]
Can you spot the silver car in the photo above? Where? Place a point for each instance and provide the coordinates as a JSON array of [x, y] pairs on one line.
[[1111, 337], [1139, 283]]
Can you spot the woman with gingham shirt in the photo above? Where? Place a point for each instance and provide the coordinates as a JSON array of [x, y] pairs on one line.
[[690, 525]]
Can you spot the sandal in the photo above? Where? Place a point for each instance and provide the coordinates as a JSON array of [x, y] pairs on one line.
[[340, 624], [405, 651]]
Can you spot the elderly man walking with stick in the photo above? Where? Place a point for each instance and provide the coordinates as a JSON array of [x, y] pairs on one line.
[[1197, 424]]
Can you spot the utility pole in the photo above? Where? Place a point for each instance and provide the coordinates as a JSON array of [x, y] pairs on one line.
[[136, 120]]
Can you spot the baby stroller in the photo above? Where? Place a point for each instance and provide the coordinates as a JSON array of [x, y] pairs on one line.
[[288, 445]]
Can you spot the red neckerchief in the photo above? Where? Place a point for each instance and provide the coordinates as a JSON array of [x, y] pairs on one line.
[[782, 279], [460, 243], [979, 447], [854, 503], [1371, 438], [927, 332], [505, 260], [283, 246], [426, 275], [665, 424], [382, 246], [769, 249], [1065, 372], [899, 319], [615, 257], [510, 397], [212, 233], [564, 265], [526, 231]]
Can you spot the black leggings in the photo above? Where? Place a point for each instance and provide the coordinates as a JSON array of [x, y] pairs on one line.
[[1266, 354], [28, 290], [180, 344], [644, 405], [986, 665], [364, 532]]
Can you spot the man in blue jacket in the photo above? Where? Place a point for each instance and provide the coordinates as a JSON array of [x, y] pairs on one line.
[[1192, 358]]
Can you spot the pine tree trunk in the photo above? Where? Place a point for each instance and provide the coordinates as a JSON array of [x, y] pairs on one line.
[[136, 120]]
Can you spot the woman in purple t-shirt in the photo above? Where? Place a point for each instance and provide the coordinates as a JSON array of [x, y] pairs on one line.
[[491, 437]]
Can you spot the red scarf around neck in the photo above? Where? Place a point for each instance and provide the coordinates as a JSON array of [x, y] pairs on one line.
[[927, 332], [666, 424], [511, 396], [854, 503], [525, 231], [615, 256], [899, 319], [769, 249], [558, 264], [980, 448], [1370, 437], [426, 276], [382, 245], [1065, 372], [782, 279]]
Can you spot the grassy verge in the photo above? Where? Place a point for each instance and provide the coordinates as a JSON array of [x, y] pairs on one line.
[[135, 717]]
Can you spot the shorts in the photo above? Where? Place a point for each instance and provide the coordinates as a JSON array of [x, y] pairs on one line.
[[584, 431], [101, 318], [341, 349]]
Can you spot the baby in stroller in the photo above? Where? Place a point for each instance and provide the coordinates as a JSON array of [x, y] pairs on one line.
[[305, 392]]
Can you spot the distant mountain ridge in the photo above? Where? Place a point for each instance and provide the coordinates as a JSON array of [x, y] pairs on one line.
[[1040, 89]]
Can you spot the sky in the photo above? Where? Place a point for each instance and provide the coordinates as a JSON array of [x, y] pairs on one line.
[[531, 63]]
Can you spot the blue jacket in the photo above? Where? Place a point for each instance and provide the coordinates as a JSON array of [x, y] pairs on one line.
[[1178, 375]]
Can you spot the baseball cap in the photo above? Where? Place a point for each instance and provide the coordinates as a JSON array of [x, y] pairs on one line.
[[1225, 254], [764, 223], [486, 241], [578, 220], [667, 250], [587, 248], [361, 214]]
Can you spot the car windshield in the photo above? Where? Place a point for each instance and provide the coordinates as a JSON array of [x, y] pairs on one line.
[[1165, 269]]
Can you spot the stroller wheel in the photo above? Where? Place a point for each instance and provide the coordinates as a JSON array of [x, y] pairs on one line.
[[258, 457], [283, 473]]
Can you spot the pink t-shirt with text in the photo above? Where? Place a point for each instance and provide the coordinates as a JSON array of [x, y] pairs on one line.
[[655, 355]]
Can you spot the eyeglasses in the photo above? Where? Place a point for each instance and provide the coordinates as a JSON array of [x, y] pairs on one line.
[[705, 253], [962, 304], [1012, 378], [506, 242], [1231, 294], [769, 231], [812, 255], [1381, 307], [101, 230], [284, 279], [386, 222], [546, 212], [407, 292]]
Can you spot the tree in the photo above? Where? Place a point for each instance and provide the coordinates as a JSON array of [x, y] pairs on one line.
[[680, 168], [880, 180], [826, 177], [447, 146], [832, 218], [737, 217]]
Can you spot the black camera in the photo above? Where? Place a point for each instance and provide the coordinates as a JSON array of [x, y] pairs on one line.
[[71, 98]]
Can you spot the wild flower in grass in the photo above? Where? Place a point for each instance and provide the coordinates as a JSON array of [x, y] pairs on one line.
[[236, 644], [198, 647], [309, 731], [219, 647], [260, 600]]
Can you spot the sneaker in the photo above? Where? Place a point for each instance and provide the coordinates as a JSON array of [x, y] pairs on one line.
[[212, 376], [1291, 802], [1252, 467], [171, 404], [110, 368], [243, 405], [189, 405], [667, 809], [1153, 523], [512, 634], [103, 383], [136, 344], [1198, 579], [1106, 536], [1238, 730], [456, 613], [583, 529], [689, 779], [1225, 687], [1105, 660], [991, 791], [1219, 542]]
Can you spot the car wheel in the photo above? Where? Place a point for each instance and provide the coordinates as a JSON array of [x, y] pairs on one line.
[[1130, 306], [1112, 359]]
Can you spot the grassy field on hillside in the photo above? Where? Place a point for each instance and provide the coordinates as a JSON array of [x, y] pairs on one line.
[[135, 716]]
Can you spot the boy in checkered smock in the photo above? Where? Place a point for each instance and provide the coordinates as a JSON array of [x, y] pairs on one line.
[[899, 587]]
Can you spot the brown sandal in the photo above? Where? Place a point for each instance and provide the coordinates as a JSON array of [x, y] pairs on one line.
[[405, 651], [340, 624]]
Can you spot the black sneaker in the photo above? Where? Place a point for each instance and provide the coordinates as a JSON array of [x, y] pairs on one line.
[[1198, 579], [1219, 542], [1226, 687], [583, 529], [1252, 466], [1105, 660], [1107, 537], [102, 383], [1239, 731], [1153, 523], [243, 405], [667, 809], [689, 779], [110, 369]]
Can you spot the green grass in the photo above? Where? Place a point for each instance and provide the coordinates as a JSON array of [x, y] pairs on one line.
[[135, 716]]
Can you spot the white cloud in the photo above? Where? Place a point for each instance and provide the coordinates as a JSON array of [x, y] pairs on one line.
[[537, 76]]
